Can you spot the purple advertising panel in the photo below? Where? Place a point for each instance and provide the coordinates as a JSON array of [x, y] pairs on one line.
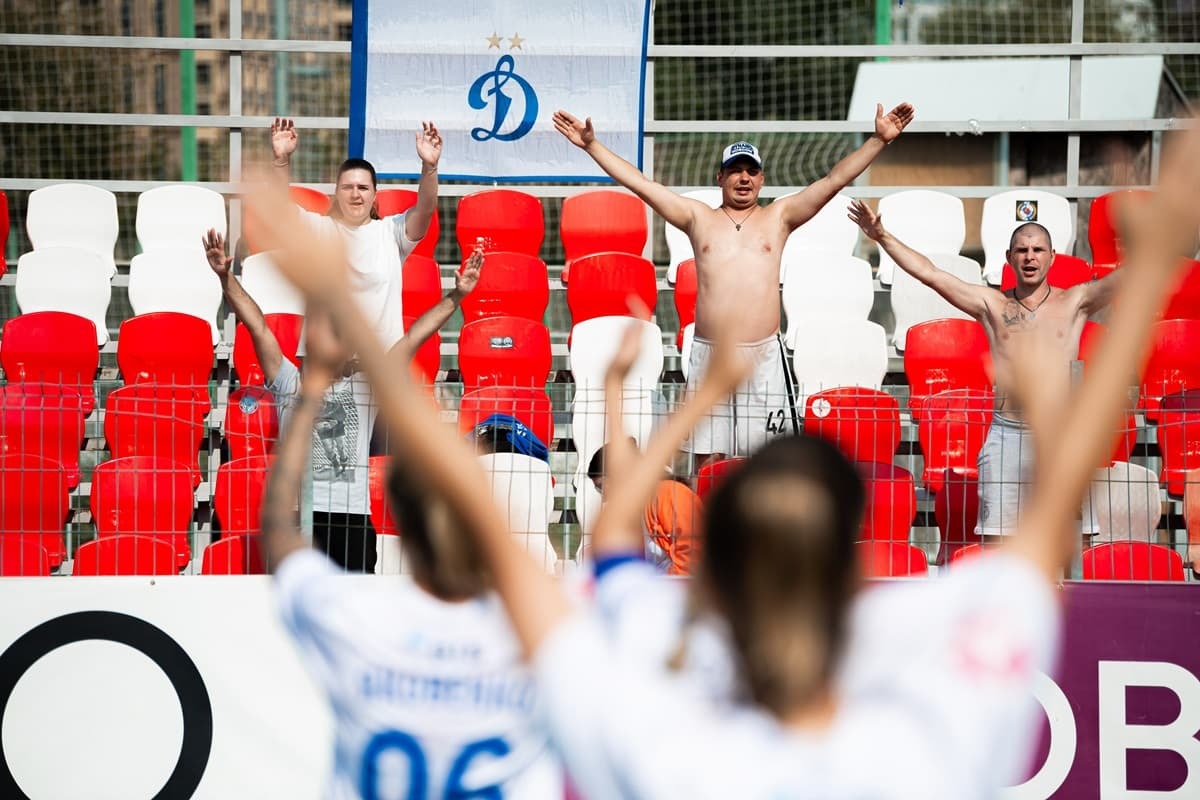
[[1123, 713]]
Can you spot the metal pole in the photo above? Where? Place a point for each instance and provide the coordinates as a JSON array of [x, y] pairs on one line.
[[281, 60], [187, 92], [883, 24], [1073, 103]]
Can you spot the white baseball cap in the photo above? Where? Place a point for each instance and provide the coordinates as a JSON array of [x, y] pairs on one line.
[[740, 150]]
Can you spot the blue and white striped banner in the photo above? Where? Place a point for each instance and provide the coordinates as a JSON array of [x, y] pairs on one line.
[[490, 74]]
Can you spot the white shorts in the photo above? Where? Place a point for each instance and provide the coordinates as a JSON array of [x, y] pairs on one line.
[[1005, 466], [762, 408]]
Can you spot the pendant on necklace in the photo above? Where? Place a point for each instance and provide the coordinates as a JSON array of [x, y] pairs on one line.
[[737, 226]]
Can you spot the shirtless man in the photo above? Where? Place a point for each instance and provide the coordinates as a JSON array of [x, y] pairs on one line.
[[738, 247], [1006, 457]]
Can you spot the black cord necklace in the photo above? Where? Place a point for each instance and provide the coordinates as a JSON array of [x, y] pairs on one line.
[[738, 225], [1033, 311]]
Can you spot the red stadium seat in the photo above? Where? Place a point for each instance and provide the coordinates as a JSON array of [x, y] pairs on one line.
[[4, 226], [502, 219], [686, 289], [1179, 438], [1191, 516], [1102, 232], [420, 285], [504, 351], [428, 359], [233, 555], [710, 475], [891, 502], [22, 557], [146, 496], [238, 495], [34, 503], [531, 406], [510, 284], [169, 348], [126, 554], [1174, 364], [601, 221], [146, 419], [863, 423], [43, 419], [52, 347], [1065, 271], [601, 284], [251, 422], [382, 519], [309, 199], [396, 201], [1132, 561], [287, 329], [1185, 300], [1089, 339], [964, 554], [945, 354], [956, 509], [884, 559], [952, 433]]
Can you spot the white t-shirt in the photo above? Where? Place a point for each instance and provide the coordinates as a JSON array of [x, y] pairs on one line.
[[934, 699], [376, 253], [341, 439], [425, 693]]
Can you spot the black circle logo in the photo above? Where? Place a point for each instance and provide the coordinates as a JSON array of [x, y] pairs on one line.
[[148, 640]]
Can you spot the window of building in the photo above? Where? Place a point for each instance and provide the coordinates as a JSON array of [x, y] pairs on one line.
[[203, 30], [345, 31], [160, 89], [203, 74]]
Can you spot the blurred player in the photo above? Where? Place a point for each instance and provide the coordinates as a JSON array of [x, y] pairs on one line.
[[425, 680], [921, 690]]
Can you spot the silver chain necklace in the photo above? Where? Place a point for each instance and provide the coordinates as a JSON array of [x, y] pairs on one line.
[[1033, 311], [738, 225]]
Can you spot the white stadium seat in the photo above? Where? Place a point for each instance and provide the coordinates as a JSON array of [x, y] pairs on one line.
[[175, 279], [685, 349], [929, 222], [1005, 211], [65, 279], [274, 293], [1125, 503], [826, 284], [178, 216], [678, 244], [835, 351], [830, 230], [913, 302], [594, 342], [522, 487], [74, 215]]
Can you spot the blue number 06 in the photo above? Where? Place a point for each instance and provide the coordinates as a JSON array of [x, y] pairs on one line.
[[418, 781]]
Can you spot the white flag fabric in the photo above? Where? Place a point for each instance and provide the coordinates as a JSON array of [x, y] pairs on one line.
[[490, 74]]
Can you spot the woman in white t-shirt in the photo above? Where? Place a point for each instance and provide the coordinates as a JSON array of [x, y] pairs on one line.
[[921, 690], [375, 250]]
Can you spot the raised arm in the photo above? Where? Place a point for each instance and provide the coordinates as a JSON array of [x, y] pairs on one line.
[[1099, 294], [960, 294], [630, 481], [675, 209], [1161, 232], [429, 150], [316, 266], [280, 534], [799, 208], [432, 320], [247, 312], [284, 141]]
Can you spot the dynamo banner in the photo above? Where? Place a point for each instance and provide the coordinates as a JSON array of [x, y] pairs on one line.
[[490, 74]]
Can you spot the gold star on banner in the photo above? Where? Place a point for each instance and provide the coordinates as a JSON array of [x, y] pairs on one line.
[[493, 41], [515, 41]]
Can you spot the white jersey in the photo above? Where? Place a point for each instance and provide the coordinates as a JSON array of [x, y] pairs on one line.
[[430, 698], [934, 698], [376, 253]]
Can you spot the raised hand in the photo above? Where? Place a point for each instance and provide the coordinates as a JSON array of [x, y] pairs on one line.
[[429, 144], [468, 275], [580, 134], [866, 219], [1170, 217], [283, 139], [889, 126], [214, 250], [323, 350], [315, 264]]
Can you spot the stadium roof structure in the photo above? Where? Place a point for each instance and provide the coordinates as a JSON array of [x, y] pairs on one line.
[[1010, 89]]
